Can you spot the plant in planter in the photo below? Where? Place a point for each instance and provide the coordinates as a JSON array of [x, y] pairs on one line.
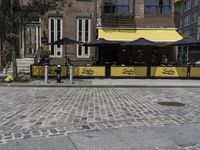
[[44, 57], [23, 77]]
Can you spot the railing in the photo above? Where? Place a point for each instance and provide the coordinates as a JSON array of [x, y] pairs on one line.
[[108, 20]]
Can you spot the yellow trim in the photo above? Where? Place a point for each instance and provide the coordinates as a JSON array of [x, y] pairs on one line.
[[157, 35], [128, 71]]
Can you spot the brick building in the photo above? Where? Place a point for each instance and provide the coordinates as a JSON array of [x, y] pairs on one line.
[[127, 20], [87, 20], [189, 13], [189, 25], [77, 21]]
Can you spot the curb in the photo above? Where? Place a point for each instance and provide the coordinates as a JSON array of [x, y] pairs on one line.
[[99, 86]]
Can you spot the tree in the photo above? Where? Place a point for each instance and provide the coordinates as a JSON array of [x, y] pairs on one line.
[[14, 15]]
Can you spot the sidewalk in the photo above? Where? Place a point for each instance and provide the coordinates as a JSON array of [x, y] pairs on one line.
[[109, 83]]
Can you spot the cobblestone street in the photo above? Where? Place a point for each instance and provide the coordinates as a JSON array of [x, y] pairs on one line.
[[48, 112]]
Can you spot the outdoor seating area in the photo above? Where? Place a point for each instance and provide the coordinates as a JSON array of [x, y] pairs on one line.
[[139, 58]]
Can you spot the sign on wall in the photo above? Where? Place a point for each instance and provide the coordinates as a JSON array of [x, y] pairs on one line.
[[168, 71], [85, 71], [39, 71], [128, 71]]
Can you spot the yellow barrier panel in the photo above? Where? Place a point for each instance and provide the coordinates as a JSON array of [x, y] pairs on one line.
[[128, 71], [39, 71], [168, 71], [194, 71], [88, 71]]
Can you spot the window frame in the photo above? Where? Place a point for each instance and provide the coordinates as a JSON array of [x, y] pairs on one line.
[[56, 48], [116, 6], [83, 49], [158, 9]]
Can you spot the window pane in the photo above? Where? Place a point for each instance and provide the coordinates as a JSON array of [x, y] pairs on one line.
[[52, 36], [157, 7], [86, 30], [79, 51], [86, 50], [120, 7], [80, 30], [58, 31]]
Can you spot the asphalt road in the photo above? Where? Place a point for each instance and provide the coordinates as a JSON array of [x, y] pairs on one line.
[[99, 118]]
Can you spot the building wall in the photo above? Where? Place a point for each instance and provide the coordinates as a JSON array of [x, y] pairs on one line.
[[0, 53], [198, 28], [72, 10], [187, 26], [137, 17]]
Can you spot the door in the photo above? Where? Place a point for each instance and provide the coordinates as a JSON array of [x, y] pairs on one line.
[[31, 40]]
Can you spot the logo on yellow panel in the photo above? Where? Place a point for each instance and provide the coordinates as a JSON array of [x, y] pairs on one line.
[[128, 71], [87, 71], [167, 71]]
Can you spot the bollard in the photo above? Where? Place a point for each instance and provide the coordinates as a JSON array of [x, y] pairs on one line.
[[70, 74], [46, 74]]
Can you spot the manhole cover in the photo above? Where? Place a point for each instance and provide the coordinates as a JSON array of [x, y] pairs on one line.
[[171, 104]]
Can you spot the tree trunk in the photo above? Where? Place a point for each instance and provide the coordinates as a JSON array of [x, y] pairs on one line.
[[13, 53]]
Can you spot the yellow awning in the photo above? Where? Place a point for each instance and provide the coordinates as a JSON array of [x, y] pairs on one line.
[[157, 35]]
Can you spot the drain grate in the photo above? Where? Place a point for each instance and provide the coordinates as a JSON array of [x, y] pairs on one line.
[[177, 104]]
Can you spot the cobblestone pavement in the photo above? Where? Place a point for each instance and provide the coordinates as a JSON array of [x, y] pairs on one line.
[[46, 112]]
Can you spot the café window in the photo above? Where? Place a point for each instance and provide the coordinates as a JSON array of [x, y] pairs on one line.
[[55, 33], [117, 7], [83, 35], [158, 7]]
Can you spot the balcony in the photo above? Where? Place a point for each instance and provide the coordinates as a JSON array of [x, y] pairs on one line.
[[117, 15], [118, 21]]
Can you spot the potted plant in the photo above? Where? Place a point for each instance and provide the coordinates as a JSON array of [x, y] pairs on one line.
[[45, 57]]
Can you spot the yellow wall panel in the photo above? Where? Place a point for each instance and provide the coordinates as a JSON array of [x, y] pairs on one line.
[[87, 71], [39, 71], [128, 71], [169, 71], [194, 71]]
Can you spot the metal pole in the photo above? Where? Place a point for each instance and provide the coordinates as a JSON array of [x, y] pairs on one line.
[[70, 74], [46, 74]]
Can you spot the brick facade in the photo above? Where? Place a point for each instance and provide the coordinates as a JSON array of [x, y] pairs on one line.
[[189, 28], [93, 9], [72, 10], [137, 18]]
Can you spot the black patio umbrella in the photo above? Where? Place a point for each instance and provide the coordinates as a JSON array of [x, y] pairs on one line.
[[64, 41], [101, 43], [141, 42], [185, 42]]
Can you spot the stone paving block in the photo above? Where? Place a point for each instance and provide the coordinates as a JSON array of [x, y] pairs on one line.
[[77, 109]]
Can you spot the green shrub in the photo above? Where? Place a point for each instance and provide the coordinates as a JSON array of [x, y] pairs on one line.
[[45, 54], [23, 77], [1, 68]]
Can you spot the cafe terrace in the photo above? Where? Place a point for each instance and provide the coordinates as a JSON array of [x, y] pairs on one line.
[[134, 53]]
